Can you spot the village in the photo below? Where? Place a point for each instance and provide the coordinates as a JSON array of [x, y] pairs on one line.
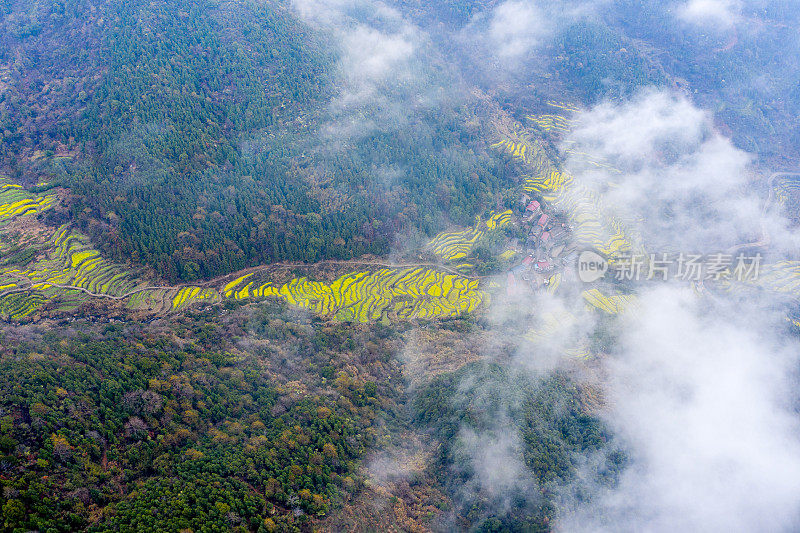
[[545, 250]]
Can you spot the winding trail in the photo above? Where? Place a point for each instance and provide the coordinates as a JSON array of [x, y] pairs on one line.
[[82, 289]]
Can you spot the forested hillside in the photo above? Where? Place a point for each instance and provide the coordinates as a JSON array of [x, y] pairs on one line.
[[192, 139], [745, 76], [124, 427], [555, 431]]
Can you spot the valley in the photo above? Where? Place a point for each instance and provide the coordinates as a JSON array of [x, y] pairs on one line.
[[475, 266]]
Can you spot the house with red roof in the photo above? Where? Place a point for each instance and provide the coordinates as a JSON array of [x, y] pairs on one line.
[[543, 220]]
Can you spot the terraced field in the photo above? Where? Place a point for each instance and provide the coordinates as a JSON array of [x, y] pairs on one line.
[[554, 282], [63, 271], [782, 277], [587, 159], [16, 201], [553, 328], [367, 296], [456, 245], [786, 189], [67, 271], [549, 325], [785, 195], [33, 274], [613, 305], [508, 255], [186, 296], [565, 106], [591, 226], [556, 122], [70, 272], [59, 269], [548, 185], [550, 123], [526, 148]]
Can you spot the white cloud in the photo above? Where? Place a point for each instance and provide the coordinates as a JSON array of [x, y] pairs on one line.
[[378, 67], [372, 57], [700, 395], [495, 456], [698, 389], [711, 13], [518, 26], [685, 180], [375, 50]]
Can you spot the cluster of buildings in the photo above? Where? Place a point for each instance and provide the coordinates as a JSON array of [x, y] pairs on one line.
[[546, 243]]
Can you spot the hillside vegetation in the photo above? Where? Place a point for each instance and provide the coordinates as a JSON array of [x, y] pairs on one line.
[[192, 138]]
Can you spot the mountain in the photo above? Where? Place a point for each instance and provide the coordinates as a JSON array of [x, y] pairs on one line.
[[391, 265], [200, 137]]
